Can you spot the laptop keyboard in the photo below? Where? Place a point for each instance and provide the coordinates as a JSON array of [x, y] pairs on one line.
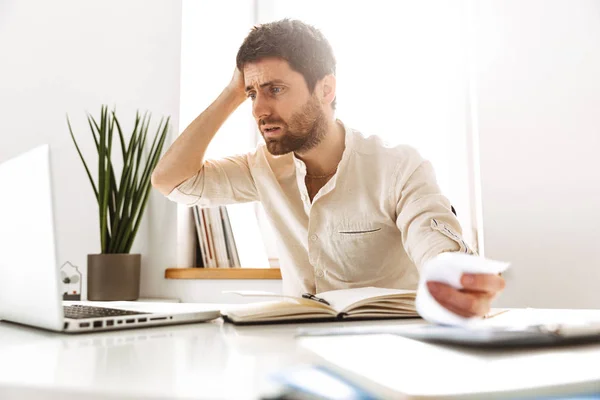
[[81, 312]]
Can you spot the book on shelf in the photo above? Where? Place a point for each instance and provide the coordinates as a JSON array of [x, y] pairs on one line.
[[201, 254], [218, 237], [344, 304], [204, 238], [229, 239], [199, 262], [210, 233]]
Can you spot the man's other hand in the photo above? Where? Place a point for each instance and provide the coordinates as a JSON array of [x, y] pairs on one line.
[[474, 299]]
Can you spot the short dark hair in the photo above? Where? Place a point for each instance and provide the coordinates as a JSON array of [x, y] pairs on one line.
[[303, 46]]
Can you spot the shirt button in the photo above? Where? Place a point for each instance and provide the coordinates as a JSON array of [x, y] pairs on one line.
[[313, 238], [320, 274]]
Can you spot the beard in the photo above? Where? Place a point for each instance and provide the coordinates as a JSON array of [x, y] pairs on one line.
[[305, 130]]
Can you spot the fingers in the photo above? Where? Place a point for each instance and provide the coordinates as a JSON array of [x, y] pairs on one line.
[[486, 283], [474, 299], [458, 311], [464, 303], [237, 82]]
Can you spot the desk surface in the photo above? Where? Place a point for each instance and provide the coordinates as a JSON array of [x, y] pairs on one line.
[[205, 360]]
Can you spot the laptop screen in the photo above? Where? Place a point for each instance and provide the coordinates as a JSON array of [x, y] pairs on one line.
[[29, 280]]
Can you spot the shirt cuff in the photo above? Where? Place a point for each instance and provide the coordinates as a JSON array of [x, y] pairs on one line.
[[179, 197]]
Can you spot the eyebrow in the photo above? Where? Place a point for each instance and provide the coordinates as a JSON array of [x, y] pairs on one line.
[[269, 83]]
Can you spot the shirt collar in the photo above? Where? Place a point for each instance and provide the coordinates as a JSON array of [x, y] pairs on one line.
[[348, 142]]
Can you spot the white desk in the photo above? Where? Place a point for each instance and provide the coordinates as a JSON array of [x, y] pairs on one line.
[[207, 360]]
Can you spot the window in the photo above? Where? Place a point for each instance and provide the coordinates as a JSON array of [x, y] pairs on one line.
[[207, 64]]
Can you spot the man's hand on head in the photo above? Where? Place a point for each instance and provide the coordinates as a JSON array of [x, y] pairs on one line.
[[474, 299], [237, 83]]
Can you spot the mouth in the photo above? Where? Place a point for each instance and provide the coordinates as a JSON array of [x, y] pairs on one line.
[[271, 131]]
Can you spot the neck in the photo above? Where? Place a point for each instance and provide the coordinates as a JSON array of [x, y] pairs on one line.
[[325, 157]]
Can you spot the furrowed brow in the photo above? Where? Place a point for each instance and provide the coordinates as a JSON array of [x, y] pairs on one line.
[[263, 85]]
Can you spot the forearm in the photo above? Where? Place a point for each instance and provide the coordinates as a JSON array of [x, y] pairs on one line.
[[425, 217], [186, 155]]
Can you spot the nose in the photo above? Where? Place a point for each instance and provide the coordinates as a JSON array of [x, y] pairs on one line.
[[260, 107]]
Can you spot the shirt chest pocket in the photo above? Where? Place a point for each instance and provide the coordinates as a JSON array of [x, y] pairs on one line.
[[359, 249]]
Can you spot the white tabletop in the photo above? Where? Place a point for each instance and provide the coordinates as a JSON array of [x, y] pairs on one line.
[[205, 360]]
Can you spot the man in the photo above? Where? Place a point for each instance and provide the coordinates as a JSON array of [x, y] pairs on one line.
[[349, 211]]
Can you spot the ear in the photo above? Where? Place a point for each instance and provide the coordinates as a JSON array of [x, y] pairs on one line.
[[326, 89]]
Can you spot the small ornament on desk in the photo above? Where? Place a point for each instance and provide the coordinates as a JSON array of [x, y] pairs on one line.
[[71, 281]]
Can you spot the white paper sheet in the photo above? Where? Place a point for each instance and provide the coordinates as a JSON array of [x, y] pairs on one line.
[[448, 268]]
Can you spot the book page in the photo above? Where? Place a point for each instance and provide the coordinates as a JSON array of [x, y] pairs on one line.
[[258, 293], [278, 310], [346, 299], [262, 293]]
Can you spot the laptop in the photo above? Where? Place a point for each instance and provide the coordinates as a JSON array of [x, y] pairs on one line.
[[30, 292]]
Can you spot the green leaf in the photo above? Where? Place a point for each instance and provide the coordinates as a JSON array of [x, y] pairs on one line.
[[94, 134], [121, 138], [148, 168], [87, 170], [110, 123], [127, 167], [140, 146], [101, 178], [144, 188], [125, 197]]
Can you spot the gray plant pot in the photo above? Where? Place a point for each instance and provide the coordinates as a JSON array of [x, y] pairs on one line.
[[113, 277]]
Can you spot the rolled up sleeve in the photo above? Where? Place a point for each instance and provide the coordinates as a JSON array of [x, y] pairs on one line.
[[425, 217], [219, 182]]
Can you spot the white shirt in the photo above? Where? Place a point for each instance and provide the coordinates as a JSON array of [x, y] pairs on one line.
[[375, 223]]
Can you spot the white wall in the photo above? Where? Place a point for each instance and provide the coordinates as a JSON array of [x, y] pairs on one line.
[[72, 56], [538, 106]]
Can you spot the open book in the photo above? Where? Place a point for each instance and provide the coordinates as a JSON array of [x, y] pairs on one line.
[[358, 303]]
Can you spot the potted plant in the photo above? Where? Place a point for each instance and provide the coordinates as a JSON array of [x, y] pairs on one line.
[[122, 195]]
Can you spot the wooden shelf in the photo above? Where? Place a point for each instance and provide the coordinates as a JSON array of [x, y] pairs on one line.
[[223, 273]]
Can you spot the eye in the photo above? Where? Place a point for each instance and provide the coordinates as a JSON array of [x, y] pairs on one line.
[[276, 89], [252, 95]]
